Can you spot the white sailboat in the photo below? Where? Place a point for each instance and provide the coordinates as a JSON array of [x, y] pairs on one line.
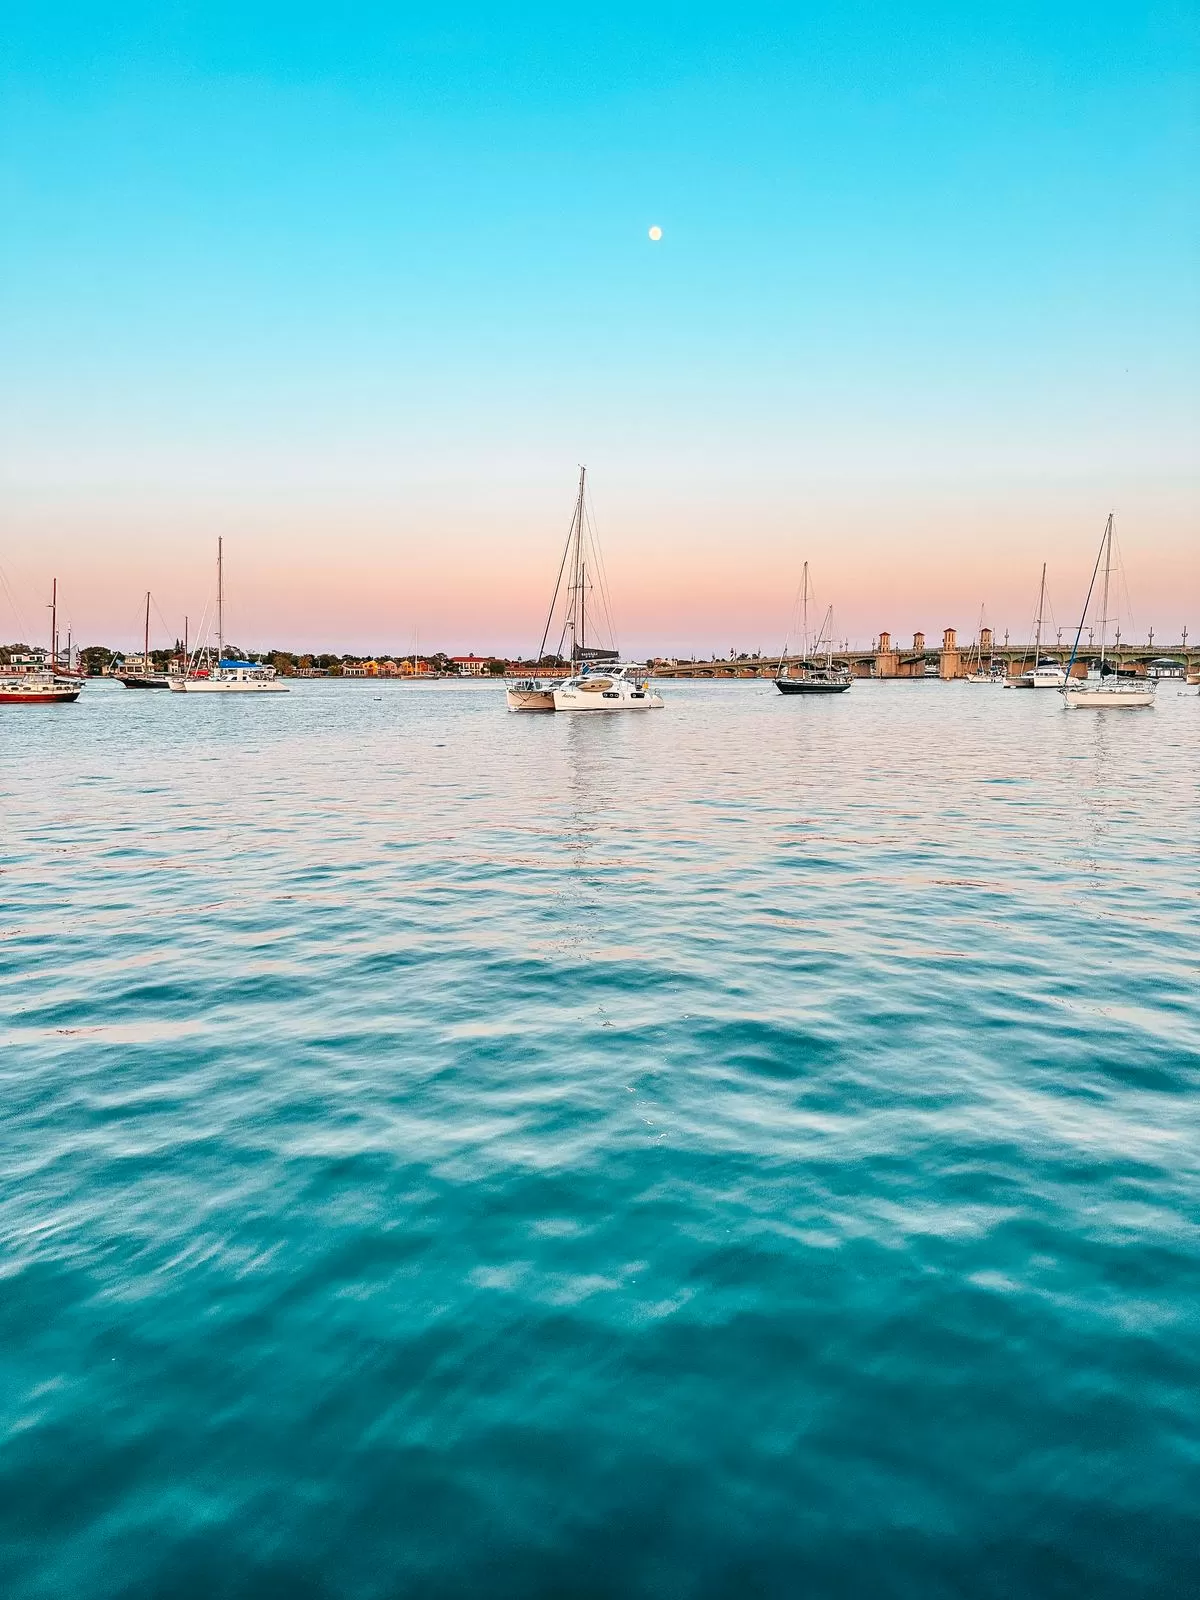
[[1043, 674], [598, 679], [976, 670], [1105, 687], [227, 677]]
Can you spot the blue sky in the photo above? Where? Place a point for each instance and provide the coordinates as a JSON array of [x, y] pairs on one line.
[[359, 286]]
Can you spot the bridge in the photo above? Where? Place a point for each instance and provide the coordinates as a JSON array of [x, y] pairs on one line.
[[950, 660]]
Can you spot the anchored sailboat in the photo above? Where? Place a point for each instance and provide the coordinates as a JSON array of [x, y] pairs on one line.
[[46, 685], [1043, 674], [814, 675], [598, 680], [977, 670], [145, 677], [227, 677], [1105, 686]]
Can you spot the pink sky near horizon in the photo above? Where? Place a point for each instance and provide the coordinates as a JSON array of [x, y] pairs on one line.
[[444, 569]]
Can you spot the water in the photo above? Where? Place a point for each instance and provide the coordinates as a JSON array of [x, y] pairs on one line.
[[747, 1149]]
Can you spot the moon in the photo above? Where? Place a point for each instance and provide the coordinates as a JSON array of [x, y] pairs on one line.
[[656, 233]]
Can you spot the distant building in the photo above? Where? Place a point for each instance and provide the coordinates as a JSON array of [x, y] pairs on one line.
[[27, 661], [470, 666]]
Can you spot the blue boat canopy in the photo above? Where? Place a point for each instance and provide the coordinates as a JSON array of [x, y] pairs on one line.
[[240, 663]]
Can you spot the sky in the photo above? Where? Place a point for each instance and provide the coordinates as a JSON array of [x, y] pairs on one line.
[[358, 287]]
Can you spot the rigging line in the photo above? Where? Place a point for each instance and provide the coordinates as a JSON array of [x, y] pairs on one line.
[[12, 600], [1086, 603], [597, 566], [158, 613], [602, 570], [562, 567], [1123, 578]]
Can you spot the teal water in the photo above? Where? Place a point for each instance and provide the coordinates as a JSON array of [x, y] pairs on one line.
[[747, 1149]]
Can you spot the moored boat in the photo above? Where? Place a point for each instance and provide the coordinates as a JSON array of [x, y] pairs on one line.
[[48, 684], [142, 674], [620, 687], [226, 676], [597, 679], [809, 675], [1044, 674], [38, 689], [1105, 688]]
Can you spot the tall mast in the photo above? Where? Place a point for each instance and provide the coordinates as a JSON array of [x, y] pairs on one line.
[[804, 612], [54, 624], [1107, 573], [578, 624], [220, 603], [1037, 641], [146, 640]]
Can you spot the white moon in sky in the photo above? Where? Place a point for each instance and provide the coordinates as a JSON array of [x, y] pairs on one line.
[[656, 233]]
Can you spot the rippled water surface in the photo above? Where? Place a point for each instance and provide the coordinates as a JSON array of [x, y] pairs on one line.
[[747, 1149]]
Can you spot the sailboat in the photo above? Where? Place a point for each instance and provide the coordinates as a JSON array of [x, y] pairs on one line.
[[1105, 687], [598, 679], [815, 676], [145, 677], [50, 685], [227, 677], [1043, 674], [976, 670]]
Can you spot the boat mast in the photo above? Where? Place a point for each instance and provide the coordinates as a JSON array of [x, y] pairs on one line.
[[54, 625], [1104, 601], [220, 602], [1088, 597], [578, 625], [1037, 639], [146, 639], [804, 613]]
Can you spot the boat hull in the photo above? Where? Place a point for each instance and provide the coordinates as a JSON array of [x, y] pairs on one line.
[[1103, 698], [529, 699], [812, 685], [216, 686], [134, 680], [623, 698], [49, 695]]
